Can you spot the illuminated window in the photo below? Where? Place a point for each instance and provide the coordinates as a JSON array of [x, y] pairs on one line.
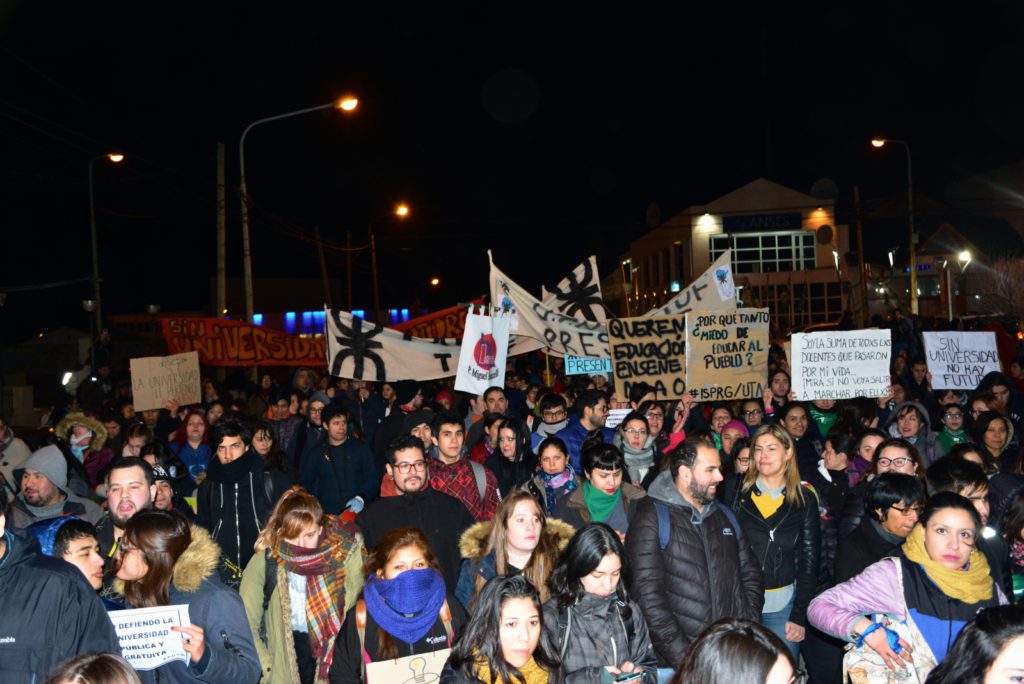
[[767, 252]]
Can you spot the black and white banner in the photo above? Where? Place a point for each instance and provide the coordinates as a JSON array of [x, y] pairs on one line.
[[579, 294]]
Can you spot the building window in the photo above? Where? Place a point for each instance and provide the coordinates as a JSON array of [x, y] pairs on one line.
[[767, 252]]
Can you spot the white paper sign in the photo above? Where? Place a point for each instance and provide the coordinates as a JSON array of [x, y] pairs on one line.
[[841, 364], [959, 360], [615, 417], [145, 635], [483, 354], [424, 668]]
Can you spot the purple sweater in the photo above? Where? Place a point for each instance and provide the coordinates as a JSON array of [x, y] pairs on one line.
[[879, 589]]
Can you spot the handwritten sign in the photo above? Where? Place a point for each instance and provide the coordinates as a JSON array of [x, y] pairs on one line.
[[841, 364], [586, 365], [159, 379], [145, 635], [726, 354], [651, 350], [424, 667], [959, 360], [221, 342]]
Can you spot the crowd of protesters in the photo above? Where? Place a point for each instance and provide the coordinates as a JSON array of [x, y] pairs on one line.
[[548, 530]]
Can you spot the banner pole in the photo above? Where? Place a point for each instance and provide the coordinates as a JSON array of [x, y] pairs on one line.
[[547, 369]]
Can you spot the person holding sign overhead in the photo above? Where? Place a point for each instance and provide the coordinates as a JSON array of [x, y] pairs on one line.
[[161, 561]]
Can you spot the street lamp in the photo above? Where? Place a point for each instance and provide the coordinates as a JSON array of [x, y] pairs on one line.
[[882, 142], [96, 311], [346, 104], [964, 258]]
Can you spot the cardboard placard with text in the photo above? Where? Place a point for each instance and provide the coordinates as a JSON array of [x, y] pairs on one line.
[[726, 354], [959, 360], [159, 379], [650, 350], [841, 364]]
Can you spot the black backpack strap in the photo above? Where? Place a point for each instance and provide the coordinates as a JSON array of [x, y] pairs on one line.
[[564, 625], [732, 519]]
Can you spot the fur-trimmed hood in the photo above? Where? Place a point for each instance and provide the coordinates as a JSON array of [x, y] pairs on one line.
[[198, 562], [473, 543], [99, 433]]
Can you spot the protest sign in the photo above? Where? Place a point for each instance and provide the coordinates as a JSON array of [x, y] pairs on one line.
[[585, 365], [424, 668], [221, 342], [544, 327], [650, 350], [579, 294], [726, 354], [959, 360], [841, 364], [159, 379], [359, 350], [714, 290], [145, 635], [483, 353], [616, 416]]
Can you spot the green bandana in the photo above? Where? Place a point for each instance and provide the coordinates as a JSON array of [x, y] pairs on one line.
[[598, 503]]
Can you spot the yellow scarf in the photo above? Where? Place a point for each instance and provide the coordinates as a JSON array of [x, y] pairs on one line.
[[970, 586], [533, 673]]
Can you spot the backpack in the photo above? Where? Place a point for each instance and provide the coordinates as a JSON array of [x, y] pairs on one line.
[[665, 525], [446, 620], [269, 584], [480, 475]]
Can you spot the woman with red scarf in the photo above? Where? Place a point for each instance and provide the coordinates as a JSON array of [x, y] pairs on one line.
[[296, 592]]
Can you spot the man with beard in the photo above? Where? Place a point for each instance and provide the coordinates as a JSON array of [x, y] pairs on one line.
[[691, 563], [44, 491], [441, 518], [130, 489]]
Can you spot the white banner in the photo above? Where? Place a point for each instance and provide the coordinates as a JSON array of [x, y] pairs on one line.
[[959, 360], [359, 350], [578, 295], [714, 290], [841, 364], [483, 354], [145, 635], [543, 327]]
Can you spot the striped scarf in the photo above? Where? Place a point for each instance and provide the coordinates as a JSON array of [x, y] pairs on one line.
[[324, 570]]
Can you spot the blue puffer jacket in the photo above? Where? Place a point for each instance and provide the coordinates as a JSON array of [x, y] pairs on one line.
[[573, 435]]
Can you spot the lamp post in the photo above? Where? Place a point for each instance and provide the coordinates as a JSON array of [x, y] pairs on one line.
[[882, 142], [347, 104], [96, 310]]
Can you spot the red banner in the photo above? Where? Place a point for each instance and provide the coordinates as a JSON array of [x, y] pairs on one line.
[[450, 322], [221, 342]]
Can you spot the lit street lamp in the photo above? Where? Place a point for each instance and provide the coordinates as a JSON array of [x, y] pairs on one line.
[[347, 104], [96, 311], [881, 142]]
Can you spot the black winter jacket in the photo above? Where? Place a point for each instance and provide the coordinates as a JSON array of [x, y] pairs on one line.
[[866, 545], [49, 613], [233, 506], [441, 518], [707, 571], [787, 546], [596, 635]]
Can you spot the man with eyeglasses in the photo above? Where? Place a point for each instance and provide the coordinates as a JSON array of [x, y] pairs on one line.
[[312, 431], [593, 413], [968, 479], [554, 417], [441, 518]]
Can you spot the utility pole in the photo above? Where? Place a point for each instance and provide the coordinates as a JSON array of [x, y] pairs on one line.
[[376, 283], [860, 260], [323, 267], [221, 234]]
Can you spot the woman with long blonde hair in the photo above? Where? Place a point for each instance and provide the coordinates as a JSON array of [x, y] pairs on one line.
[[520, 539], [305, 575], [779, 516]]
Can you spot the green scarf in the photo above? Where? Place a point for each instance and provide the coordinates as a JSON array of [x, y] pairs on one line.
[[598, 503]]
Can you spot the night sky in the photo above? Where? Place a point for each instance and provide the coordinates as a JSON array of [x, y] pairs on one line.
[[546, 134]]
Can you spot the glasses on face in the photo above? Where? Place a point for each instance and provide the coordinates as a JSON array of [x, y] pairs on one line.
[[507, 440], [907, 510], [899, 461], [125, 549], [553, 414], [952, 415], [317, 411], [654, 415], [744, 460], [633, 432], [404, 468], [753, 412]]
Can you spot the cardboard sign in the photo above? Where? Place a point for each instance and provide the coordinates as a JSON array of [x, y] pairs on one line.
[[425, 668], [483, 353], [841, 364], [145, 635], [651, 350], [727, 354], [959, 360], [159, 379], [221, 342], [585, 365]]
